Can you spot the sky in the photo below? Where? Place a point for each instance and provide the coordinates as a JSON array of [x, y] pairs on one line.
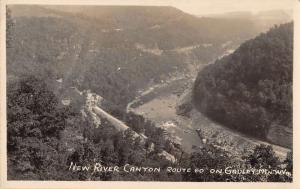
[[203, 7]]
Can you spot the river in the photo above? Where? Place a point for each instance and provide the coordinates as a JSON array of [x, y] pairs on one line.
[[159, 105]]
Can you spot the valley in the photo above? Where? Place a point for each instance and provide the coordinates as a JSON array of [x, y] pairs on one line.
[[87, 84], [159, 105]]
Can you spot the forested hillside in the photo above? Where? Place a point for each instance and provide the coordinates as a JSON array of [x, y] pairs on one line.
[[102, 49], [44, 138], [251, 89], [60, 59]]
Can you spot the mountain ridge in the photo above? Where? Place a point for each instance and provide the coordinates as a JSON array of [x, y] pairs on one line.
[[250, 90]]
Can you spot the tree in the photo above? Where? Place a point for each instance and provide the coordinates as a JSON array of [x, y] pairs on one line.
[[263, 157], [33, 125], [208, 158], [250, 89]]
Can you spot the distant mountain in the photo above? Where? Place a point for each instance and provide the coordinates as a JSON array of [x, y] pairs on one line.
[[251, 89], [284, 15], [264, 19], [116, 50], [167, 27], [235, 14], [71, 71]]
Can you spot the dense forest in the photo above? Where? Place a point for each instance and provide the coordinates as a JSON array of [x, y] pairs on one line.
[[101, 48], [44, 137], [251, 89], [43, 140]]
